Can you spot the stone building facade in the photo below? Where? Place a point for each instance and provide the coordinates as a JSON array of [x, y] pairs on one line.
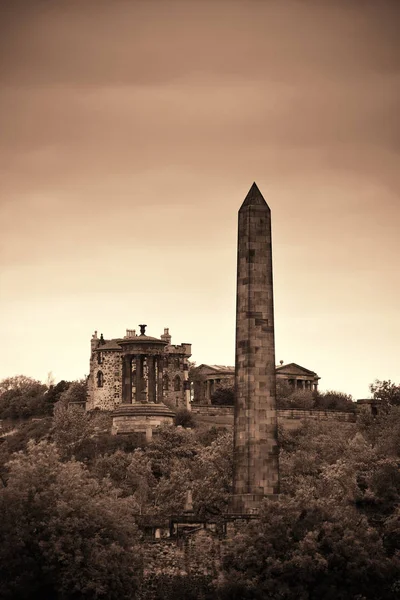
[[106, 372], [297, 377], [206, 379]]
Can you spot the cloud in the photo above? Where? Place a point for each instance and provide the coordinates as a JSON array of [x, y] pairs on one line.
[[119, 42], [130, 132]]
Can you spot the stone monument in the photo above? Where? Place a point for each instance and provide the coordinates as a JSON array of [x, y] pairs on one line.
[[256, 473], [142, 408]]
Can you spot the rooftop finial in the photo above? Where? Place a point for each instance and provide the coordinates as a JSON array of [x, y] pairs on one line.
[[142, 329]]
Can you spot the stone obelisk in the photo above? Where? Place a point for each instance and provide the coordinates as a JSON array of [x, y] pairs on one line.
[[256, 473]]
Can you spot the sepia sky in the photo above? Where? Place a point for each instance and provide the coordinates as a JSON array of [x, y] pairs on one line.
[[130, 133]]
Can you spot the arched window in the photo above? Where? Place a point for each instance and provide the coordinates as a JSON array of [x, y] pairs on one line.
[[166, 382], [177, 383], [100, 379], [99, 358]]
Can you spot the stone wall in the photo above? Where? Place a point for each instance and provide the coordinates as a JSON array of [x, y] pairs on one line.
[[222, 416], [177, 368], [109, 395]]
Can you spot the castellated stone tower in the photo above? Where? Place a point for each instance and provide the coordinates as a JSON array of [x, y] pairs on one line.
[[256, 472]]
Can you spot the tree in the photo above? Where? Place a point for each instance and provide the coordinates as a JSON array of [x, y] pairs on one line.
[[386, 392], [54, 392], [211, 476], [332, 400], [196, 380], [64, 534], [18, 384], [168, 446], [22, 397], [303, 399], [72, 428], [75, 393], [185, 418], [309, 550], [224, 395], [289, 397], [283, 393]]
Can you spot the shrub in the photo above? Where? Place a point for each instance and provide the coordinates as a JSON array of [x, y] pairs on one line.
[[185, 418]]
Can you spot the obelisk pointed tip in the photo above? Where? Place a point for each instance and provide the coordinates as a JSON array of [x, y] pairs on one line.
[[254, 197]]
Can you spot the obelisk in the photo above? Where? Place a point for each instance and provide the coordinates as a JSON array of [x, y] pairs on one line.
[[256, 473]]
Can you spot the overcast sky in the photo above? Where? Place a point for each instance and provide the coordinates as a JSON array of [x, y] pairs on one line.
[[130, 133]]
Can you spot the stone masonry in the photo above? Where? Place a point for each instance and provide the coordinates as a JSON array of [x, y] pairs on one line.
[[106, 365], [256, 472]]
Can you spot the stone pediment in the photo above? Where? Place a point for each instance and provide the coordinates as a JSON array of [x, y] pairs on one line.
[[215, 370], [293, 369]]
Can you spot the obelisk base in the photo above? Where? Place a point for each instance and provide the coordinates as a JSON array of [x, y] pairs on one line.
[[248, 504]]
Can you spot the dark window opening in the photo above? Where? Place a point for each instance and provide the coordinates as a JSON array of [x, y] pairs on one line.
[[177, 384], [166, 382], [100, 379]]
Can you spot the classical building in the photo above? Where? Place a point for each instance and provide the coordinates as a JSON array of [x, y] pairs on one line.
[[297, 377], [138, 369], [206, 379]]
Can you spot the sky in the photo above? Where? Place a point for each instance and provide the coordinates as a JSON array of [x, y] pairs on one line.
[[130, 133]]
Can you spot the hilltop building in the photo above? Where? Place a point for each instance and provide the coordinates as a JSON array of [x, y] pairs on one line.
[[208, 378], [107, 387]]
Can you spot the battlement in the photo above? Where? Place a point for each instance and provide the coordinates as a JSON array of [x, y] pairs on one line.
[[179, 349]]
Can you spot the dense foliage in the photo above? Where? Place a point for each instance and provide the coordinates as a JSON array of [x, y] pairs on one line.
[[287, 397], [70, 494], [64, 533], [335, 531], [224, 395], [386, 392], [23, 397]]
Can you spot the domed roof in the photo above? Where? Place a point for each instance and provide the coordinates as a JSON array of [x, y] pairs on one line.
[[142, 339]]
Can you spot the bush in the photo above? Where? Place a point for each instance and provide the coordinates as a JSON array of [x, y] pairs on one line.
[[22, 397], [224, 396], [185, 418], [332, 400]]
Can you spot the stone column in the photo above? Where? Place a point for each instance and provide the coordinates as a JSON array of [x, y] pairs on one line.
[[160, 390], [151, 374], [186, 385], [256, 472], [208, 393], [127, 379], [139, 377]]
